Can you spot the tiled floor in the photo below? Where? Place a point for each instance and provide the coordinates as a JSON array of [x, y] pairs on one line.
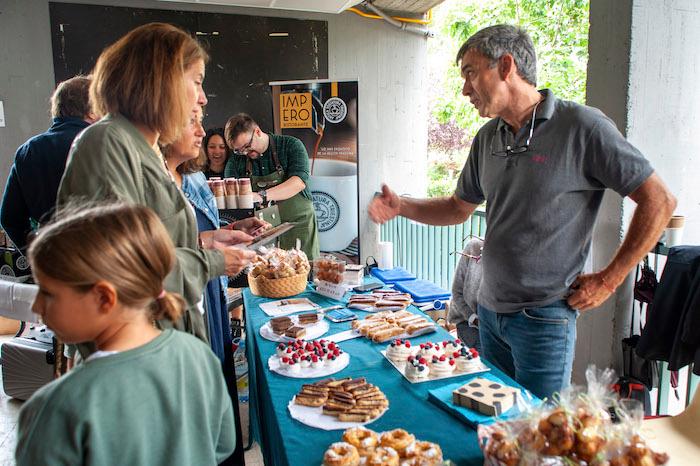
[[9, 410]]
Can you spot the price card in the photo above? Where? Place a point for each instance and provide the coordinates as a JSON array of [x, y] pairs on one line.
[[330, 290]]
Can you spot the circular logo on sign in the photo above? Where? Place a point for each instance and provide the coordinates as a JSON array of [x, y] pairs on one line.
[[327, 210], [335, 110], [7, 271], [22, 263]]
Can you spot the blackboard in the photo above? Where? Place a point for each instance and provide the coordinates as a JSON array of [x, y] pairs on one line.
[[244, 58]]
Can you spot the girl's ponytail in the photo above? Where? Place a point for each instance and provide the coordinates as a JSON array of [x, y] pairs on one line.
[[167, 306]]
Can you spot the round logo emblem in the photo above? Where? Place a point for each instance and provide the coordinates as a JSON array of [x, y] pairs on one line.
[[327, 210], [335, 110], [22, 263], [7, 271]]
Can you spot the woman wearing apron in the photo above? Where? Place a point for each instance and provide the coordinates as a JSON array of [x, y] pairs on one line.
[[278, 168]]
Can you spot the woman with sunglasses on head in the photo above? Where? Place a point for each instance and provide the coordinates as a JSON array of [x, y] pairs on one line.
[[147, 84], [278, 168], [217, 153]]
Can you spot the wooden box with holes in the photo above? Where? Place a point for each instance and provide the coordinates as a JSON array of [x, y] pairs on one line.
[[485, 396]]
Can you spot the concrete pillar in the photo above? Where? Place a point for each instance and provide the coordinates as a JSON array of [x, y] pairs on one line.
[[642, 73]]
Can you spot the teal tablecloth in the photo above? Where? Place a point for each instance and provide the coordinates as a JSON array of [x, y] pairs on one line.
[[285, 441]]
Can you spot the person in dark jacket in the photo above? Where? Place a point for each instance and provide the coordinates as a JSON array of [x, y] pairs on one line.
[[30, 191]]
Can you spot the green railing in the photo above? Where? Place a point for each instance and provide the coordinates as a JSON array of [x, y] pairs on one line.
[[429, 251]]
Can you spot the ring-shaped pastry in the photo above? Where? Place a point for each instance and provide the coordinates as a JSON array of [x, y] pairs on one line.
[[383, 456], [423, 454], [398, 439], [363, 439], [341, 454]]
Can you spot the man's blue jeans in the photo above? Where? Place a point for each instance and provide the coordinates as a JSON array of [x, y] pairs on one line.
[[535, 346]]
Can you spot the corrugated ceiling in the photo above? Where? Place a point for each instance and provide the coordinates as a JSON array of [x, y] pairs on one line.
[[411, 8]]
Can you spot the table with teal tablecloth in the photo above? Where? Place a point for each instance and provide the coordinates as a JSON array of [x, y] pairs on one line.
[[285, 441]]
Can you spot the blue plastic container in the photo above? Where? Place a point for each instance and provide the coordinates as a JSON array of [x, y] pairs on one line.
[[395, 275], [422, 290]]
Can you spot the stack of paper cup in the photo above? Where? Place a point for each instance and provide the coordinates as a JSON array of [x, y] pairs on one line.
[[231, 186], [386, 255], [245, 194], [220, 193], [673, 235]]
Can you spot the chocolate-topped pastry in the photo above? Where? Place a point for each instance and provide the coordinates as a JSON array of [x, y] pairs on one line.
[[309, 318], [295, 332], [280, 325]]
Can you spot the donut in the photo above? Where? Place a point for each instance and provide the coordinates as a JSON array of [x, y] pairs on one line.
[[383, 456], [423, 454], [398, 439], [361, 438], [341, 454]]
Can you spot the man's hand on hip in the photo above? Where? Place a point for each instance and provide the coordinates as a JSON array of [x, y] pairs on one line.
[[589, 291], [384, 206]]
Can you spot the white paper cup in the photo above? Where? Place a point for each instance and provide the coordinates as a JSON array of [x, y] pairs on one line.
[[231, 202], [673, 234], [245, 201]]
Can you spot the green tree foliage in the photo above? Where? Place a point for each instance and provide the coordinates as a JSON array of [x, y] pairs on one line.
[[559, 30]]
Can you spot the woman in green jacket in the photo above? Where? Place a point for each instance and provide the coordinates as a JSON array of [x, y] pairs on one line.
[[147, 84]]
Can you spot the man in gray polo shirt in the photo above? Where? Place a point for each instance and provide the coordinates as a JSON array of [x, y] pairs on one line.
[[542, 166]]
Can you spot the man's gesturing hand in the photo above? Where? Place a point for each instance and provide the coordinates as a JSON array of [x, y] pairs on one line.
[[384, 206]]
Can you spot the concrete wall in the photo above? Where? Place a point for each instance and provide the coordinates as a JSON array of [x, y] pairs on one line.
[[389, 64], [26, 75], [642, 74], [664, 108]]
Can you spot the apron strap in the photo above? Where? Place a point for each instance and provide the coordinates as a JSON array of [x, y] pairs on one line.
[[275, 159], [248, 167]]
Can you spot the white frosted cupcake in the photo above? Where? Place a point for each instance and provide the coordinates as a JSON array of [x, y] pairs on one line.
[[451, 347], [468, 360], [428, 350], [282, 350], [331, 360], [441, 366], [316, 362], [399, 351], [417, 368], [293, 367], [305, 362]]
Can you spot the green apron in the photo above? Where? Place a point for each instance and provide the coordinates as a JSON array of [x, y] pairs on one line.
[[296, 209]]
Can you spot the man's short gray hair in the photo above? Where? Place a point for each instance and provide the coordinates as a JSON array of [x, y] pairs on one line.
[[71, 99], [495, 41]]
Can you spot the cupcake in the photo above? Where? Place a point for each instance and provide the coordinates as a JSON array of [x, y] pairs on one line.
[[428, 350], [417, 368], [316, 362], [292, 366], [467, 360], [399, 351], [441, 366], [305, 362], [452, 346]]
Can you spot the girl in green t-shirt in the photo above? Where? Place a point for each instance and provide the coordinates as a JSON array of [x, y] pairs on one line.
[[146, 396]]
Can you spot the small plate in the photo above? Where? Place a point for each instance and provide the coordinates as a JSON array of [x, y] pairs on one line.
[[313, 331], [314, 417]]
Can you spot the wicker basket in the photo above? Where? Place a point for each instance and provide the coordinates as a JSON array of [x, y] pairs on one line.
[[278, 287]]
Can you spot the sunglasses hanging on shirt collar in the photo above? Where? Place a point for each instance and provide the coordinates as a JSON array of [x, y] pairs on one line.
[[509, 150]]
